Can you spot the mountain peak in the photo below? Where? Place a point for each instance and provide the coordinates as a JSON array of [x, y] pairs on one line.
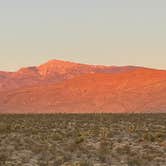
[[55, 62], [55, 71], [55, 66], [66, 86]]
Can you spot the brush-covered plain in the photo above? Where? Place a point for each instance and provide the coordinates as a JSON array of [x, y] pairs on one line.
[[83, 140]]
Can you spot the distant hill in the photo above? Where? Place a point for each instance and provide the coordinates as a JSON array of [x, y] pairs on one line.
[[60, 86], [51, 72]]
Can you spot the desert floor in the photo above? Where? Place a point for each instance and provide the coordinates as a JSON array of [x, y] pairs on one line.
[[83, 140]]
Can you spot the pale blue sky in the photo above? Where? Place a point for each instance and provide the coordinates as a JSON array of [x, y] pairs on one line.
[[110, 32]]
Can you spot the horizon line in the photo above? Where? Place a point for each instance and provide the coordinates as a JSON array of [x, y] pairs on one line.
[[75, 62]]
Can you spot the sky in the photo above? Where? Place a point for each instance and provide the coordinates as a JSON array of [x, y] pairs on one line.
[[107, 32]]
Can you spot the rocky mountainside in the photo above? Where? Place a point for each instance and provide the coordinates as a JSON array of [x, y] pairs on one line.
[[51, 72], [84, 88]]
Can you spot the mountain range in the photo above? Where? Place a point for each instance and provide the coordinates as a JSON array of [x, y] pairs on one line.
[[67, 87]]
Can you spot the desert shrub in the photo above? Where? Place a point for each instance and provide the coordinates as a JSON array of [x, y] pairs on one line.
[[80, 137], [57, 136], [104, 150], [160, 136], [83, 163], [132, 128], [148, 137], [79, 140], [123, 149], [5, 127], [105, 144], [3, 158], [134, 161]]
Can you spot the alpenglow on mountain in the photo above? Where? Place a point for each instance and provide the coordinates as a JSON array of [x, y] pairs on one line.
[[67, 87]]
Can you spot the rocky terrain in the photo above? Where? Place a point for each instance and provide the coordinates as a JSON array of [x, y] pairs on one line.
[[58, 87], [83, 140], [52, 72]]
